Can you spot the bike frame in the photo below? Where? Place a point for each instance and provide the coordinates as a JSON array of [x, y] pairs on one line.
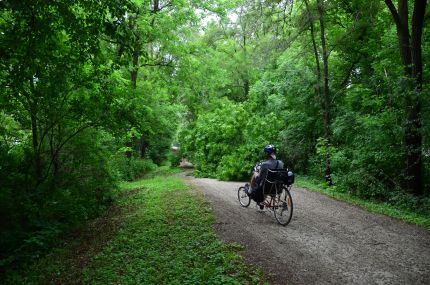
[[269, 198]]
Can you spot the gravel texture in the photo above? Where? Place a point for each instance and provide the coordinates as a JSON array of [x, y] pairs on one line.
[[326, 242]]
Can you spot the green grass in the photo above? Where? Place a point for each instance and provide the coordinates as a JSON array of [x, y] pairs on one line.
[[164, 171], [403, 214], [168, 240], [165, 236]]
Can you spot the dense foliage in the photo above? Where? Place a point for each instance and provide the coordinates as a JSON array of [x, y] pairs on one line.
[[96, 91], [325, 81], [87, 99]]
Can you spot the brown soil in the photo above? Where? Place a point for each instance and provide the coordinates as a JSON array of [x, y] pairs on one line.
[[327, 241]]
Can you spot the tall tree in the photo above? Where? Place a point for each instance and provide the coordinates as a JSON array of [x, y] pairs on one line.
[[322, 79], [326, 89], [50, 51], [410, 42]]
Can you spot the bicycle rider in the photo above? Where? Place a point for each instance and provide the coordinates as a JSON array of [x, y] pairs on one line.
[[260, 173]]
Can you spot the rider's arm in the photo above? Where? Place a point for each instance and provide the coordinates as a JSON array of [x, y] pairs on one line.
[[255, 174], [253, 181]]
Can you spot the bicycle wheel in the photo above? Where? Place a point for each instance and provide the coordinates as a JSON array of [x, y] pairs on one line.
[[283, 209], [243, 197]]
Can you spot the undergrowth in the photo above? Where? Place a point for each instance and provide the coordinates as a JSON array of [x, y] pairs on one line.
[[166, 237]]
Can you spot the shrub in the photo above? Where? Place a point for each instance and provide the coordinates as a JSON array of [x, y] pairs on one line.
[[80, 188], [213, 136], [131, 168], [175, 158]]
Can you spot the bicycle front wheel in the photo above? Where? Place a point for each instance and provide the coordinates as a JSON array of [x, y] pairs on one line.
[[243, 197], [283, 209]]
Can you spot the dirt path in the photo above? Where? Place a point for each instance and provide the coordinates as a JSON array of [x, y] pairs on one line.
[[327, 241]]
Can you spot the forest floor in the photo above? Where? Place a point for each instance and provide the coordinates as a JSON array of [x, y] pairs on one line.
[[326, 242]]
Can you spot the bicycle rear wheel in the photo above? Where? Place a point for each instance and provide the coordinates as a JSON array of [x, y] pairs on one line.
[[283, 209], [243, 197]]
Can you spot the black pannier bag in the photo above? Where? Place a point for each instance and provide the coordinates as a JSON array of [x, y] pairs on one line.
[[274, 176], [285, 176]]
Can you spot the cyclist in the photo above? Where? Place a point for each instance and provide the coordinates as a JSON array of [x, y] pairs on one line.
[[260, 173]]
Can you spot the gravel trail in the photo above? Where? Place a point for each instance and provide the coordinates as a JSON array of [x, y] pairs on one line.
[[326, 242]]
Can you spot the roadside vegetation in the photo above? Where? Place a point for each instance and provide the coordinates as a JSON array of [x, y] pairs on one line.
[[158, 232], [409, 211]]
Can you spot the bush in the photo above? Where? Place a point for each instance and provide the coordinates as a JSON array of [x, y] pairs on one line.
[[175, 158], [80, 188], [370, 159], [129, 169], [213, 136]]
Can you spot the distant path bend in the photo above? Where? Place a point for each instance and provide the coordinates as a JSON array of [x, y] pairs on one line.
[[327, 241]]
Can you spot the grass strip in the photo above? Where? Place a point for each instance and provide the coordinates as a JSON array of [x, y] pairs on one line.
[[169, 239], [406, 215]]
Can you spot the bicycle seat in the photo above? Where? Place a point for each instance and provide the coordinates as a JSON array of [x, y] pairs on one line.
[[280, 176]]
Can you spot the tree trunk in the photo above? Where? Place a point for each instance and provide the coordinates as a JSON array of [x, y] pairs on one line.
[[135, 68], [34, 132], [246, 88], [156, 6], [129, 145], [403, 35], [245, 59], [411, 57], [143, 145], [326, 90], [53, 144], [315, 48], [35, 142], [413, 133], [133, 72], [416, 41]]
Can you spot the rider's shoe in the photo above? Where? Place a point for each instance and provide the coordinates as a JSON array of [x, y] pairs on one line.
[[248, 189], [261, 205]]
